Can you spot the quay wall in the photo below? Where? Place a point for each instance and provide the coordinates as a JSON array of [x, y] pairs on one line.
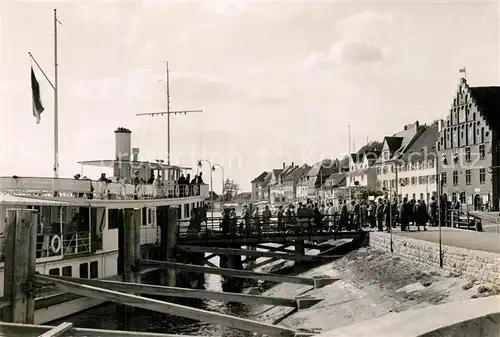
[[479, 265]]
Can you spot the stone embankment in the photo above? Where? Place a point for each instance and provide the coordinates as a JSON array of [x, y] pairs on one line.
[[480, 265], [374, 282]]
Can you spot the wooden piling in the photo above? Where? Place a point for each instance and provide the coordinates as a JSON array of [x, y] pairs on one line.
[[171, 244], [137, 245], [19, 267]]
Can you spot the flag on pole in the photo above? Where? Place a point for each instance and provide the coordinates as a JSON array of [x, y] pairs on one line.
[[462, 70], [37, 102]]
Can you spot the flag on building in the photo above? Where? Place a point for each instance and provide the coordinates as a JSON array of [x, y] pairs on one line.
[[462, 70], [35, 92]]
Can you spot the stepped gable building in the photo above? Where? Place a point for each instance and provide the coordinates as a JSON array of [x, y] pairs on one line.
[[418, 166], [468, 147], [393, 148]]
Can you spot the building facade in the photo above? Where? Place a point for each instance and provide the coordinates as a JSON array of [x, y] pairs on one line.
[[468, 147], [393, 148], [361, 170], [290, 181], [310, 184], [255, 183], [417, 167]]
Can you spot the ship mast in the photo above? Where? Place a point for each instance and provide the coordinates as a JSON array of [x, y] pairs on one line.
[[168, 112]]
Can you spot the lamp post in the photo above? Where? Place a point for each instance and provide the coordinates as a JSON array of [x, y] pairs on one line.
[[390, 216], [211, 185], [439, 189], [222, 170]]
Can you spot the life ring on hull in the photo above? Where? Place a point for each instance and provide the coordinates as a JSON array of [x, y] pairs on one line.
[[55, 244], [196, 189], [176, 190]]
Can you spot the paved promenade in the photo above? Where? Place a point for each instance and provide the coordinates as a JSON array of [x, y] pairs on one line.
[[487, 242]]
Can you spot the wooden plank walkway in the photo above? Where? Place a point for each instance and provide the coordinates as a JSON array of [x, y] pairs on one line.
[[487, 242]]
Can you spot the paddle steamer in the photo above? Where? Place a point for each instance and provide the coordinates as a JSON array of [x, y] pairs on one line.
[[78, 218]]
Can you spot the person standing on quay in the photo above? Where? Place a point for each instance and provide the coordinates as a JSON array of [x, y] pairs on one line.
[[380, 215]]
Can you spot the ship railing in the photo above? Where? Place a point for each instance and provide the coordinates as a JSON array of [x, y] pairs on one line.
[[63, 244], [91, 189]]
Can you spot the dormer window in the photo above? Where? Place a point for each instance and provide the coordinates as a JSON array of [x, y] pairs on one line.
[[386, 155]]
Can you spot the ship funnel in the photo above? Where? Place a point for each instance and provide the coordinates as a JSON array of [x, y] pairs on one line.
[[123, 144]]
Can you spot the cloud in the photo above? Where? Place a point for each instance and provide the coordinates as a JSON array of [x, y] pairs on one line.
[[364, 26], [362, 41]]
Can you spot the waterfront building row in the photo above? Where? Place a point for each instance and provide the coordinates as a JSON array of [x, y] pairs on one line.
[[459, 153]]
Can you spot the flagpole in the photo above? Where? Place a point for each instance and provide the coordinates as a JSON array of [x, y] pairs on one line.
[[349, 183], [56, 103]]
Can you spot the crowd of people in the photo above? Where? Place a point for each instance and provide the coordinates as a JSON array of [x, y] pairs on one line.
[[381, 214]]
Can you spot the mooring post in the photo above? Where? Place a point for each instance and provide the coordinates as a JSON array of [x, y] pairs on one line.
[[128, 245], [19, 267], [299, 247], [137, 245], [171, 245]]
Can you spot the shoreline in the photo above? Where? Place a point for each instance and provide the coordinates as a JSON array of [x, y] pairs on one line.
[[372, 284]]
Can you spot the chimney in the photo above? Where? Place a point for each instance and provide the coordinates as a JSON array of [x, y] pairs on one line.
[[293, 164], [123, 143], [440, 125], [283, 165], [417, 124]]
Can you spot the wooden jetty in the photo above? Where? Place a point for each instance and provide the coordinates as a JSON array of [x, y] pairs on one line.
[[147, 289], [21, 281], [316, 282]]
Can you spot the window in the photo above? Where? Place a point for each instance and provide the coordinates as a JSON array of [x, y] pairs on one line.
[[432, 179], [482, 151], [413, 196], [94, 271], [413, 180], [385, 170], [379, 170], [443, 178], [54, 272], [84, 270], [144, 216], [467, 177], [431, 164], [467, 154], [113, 218], [455, 178], [482, 176], [66, 271]]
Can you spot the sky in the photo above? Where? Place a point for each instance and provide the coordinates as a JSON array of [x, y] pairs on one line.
[[278, 81]]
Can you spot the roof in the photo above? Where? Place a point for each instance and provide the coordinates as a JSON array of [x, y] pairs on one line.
[[267, 179], [318, 173], [298, 173], [424, 146], [488, 101], [289, 169], [394, 143], [336, 179], [135, 164], [260, 177]]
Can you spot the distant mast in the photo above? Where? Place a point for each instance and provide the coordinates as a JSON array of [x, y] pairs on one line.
[[56, 103]]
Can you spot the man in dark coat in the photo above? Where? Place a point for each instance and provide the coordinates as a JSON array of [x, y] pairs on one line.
[[405, 213]]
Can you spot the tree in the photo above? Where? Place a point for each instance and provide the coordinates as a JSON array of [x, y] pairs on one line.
[[231, 189]]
